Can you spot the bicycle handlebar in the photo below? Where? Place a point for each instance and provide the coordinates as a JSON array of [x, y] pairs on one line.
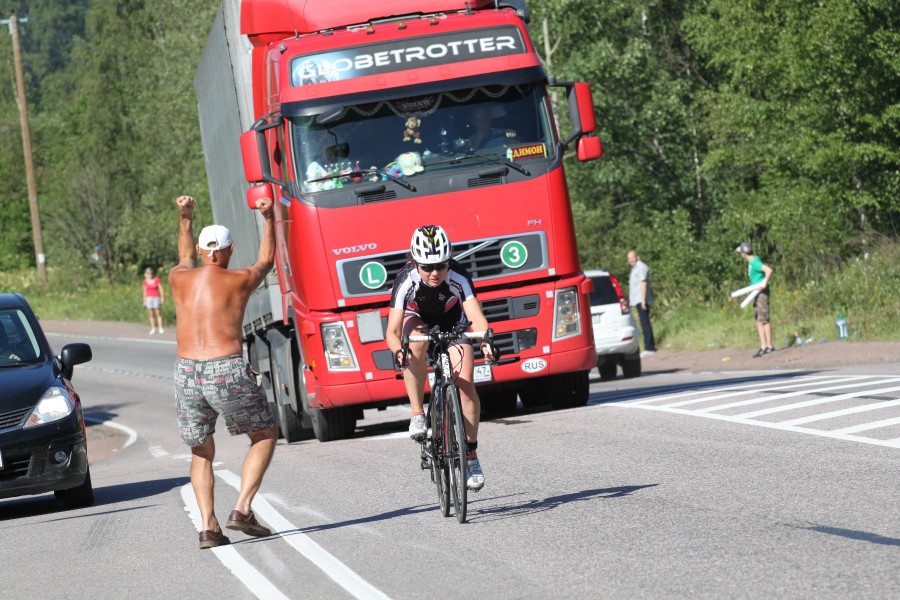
[[436, 336]]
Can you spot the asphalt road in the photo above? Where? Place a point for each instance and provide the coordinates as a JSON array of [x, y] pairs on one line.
[[673, 485]]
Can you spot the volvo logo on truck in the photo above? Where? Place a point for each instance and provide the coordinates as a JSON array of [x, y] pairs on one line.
[[354, 249]]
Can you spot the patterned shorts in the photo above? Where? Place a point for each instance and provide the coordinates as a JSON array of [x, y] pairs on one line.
[[762, 307], [205, 389]]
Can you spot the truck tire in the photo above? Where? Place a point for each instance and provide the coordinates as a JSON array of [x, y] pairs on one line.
[[499, 402], [288, 389], [331, 424], [534, 393], [570, 389]]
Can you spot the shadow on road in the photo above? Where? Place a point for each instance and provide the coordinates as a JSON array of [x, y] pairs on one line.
[[535, 506], [30, 506]]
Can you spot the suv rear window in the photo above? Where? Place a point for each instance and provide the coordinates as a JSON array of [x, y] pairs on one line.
[[604, 292]]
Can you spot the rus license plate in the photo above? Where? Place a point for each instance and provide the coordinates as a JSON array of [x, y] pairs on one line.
[[483, 373]]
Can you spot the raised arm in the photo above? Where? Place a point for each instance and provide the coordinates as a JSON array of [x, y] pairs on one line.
[[266, 259], [187, 253]]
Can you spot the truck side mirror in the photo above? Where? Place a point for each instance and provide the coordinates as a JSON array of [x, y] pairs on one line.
[[258, 192], [581, 108], [253, 149], [589, 148]]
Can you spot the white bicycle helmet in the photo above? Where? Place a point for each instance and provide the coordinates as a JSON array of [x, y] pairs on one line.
[[430, 245]]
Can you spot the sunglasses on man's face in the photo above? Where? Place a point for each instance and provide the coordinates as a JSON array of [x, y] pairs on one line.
[[438, 267]]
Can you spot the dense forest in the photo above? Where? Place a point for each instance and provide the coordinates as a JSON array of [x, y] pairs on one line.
[[774, 121]]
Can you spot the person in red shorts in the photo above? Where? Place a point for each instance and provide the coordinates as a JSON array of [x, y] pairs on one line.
[[153, 299]]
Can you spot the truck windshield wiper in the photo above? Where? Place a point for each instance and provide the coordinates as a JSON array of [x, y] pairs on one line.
[[363, 173], [485, 157]]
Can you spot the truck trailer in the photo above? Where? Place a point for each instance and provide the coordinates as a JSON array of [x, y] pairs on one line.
[[366, 120]]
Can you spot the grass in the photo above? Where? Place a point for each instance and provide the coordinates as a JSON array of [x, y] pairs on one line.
[[83, 296]]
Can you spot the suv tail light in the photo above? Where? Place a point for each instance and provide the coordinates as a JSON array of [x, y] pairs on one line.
[[623, 301]]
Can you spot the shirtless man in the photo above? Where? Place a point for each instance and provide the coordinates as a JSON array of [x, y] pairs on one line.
[[212, 377]]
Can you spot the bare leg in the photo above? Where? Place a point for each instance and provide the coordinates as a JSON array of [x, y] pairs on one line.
[[262, 446], [203, 481], [415, 373], [462, 358], [761, 330], [767, 334]]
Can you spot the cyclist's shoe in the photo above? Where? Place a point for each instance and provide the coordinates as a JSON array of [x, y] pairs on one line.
[[476, 475], [417, 427]]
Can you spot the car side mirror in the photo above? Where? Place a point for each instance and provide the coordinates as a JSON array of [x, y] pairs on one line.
[[74, 354]]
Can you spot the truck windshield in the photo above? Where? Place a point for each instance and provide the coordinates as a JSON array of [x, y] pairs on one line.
[[409, 137]]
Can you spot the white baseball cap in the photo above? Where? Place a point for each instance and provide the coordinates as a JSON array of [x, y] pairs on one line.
[[215, 234]]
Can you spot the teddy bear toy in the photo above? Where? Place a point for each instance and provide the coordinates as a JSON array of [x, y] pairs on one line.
[[411, 132]]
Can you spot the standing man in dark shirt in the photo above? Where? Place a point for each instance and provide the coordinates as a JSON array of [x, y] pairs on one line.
[[641, 296]]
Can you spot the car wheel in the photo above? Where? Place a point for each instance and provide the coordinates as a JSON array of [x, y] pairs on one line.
[[607, 370], [80, 496], [631, 367]]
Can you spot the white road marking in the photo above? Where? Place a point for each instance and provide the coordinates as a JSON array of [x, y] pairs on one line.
[[748, 386], [246, 573], [847, 411], [340, 573], [867, 426], [818, 401], [794, 425], [770, 387], [132, 434], [109, 337], [802, 393]]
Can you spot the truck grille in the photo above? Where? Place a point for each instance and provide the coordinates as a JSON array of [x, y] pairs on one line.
[[508, 343], [484, 260]]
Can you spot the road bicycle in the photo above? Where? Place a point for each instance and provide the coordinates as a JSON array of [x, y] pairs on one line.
[[444, 444]]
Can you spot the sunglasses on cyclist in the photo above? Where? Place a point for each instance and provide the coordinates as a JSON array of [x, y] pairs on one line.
[[437, 267]]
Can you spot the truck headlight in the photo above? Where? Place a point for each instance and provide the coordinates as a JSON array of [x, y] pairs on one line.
[[338, 351], [567, 314], [54, 405]]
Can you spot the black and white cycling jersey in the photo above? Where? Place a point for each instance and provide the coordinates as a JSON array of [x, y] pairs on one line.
[[441, 305]]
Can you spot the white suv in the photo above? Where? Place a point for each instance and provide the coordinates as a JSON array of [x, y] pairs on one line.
[[615, 332]]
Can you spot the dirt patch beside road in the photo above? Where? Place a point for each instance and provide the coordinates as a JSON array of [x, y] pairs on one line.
[[811, 356]]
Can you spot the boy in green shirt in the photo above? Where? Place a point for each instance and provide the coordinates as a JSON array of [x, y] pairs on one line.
[[759, 272]]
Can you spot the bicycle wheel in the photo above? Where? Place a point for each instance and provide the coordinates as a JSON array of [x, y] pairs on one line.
[[439, 473], [455, 448]]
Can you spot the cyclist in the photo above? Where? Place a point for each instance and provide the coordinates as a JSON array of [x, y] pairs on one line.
[[432, 289]]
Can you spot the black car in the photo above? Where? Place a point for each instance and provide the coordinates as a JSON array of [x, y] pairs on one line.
[[43, 443]]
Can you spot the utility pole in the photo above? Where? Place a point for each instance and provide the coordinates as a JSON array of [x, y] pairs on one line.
[[26, 147]]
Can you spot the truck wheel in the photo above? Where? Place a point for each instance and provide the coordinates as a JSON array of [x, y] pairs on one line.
[[331, 424], [534, 393], [287, 387], [499, 402], [570, 389], [607, 370], [631, 366]]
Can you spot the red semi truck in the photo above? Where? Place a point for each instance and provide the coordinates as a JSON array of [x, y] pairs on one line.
[[367, 120]]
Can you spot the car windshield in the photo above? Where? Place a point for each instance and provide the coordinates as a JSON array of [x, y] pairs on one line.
[[18, 342], [407, 137]]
